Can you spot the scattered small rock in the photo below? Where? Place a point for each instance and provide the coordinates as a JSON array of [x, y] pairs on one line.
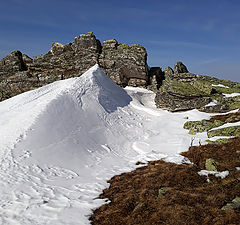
[[235, 204], [211, 165], [161, 192]]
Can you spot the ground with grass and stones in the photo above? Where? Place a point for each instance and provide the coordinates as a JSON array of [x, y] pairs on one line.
[[166, 193]]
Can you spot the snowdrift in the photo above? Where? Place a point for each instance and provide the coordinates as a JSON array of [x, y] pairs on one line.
[[60, 143]]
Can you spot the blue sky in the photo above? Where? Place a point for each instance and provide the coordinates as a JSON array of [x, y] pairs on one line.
[[204, 35]]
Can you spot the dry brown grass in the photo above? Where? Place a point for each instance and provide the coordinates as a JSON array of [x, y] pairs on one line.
[[223, 118], [189, 198]]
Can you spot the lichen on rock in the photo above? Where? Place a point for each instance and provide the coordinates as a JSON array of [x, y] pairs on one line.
[[226, 131], [179, 67], [125, 64], [211, 165], [235, 204], [198, 126]]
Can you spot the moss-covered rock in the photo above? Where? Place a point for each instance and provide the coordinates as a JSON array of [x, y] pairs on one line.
[[171, 102], [198, 126], [196, 88], [227, 131], [226, 90], [235, 204], [182, 91], [168, 72], [125, 64], [211, 165], [161, 192], [233, 118], [201, 126], [179, 67]]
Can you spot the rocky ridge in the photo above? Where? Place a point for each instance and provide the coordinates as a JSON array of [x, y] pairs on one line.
[[176, 89]]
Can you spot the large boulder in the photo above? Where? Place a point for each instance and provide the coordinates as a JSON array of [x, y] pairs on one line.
[[125, 64], [179, 67], [64, 61], [181, 90], [11, 64], [14, 76]]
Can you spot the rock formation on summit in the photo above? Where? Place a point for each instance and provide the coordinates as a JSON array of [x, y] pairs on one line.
[[176, 89], [125, 64], [65, 61], [181, 90]]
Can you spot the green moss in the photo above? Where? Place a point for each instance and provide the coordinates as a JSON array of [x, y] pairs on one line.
[[203, 86], [227, 90], [227, 131], [196, 88], [201, 126], [234, 118], [161, 192], [211, 164], [218, 123], [235, 204], [123, 46], [234, 103]]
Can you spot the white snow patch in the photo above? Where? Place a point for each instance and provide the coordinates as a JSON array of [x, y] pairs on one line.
[[237, 168], [212, 103], [233, 111], [227, 125], [219, 85], [231, 95], [220, 137], [222, 174]]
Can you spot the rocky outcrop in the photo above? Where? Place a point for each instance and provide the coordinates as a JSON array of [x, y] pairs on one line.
[[14, 76], [176, 89], [64, 61], [216, 122], [125, 64], [12, 64], [179, 67], [181, 90]]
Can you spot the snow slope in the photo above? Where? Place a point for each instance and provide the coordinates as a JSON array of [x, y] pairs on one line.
[[62, 142]]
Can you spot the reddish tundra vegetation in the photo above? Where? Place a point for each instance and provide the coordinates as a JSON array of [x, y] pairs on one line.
[[167, 193]]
